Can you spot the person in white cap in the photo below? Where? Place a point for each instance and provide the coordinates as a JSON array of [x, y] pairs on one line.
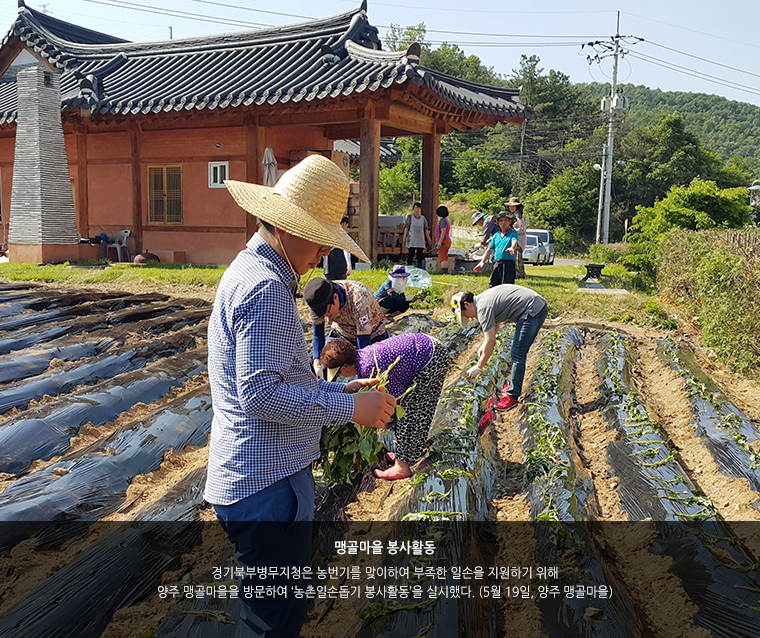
[[269, 407], [506, 303]]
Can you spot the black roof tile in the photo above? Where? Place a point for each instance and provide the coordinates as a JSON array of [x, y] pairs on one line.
[[315, 60]]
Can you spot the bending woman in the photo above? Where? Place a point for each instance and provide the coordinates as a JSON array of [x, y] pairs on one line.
[[423, 364]]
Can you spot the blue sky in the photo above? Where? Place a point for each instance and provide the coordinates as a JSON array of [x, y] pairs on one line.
[[702, 38]]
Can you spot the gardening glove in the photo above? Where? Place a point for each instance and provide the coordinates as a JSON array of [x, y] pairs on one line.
[[473, 372], [320, 370], [480, 350]]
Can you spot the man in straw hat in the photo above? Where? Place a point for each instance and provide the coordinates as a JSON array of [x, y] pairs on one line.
[[269, 408], [503, 246], [521, 226]]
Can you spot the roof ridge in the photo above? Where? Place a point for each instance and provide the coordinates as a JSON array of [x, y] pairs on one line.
[[336, 24], [48, 23]]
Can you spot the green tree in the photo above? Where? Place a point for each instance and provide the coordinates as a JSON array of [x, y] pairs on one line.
[[568, 202], [447, 58], [397, 189], [400, 38], [450, 59], [478, 173], [701, 205]]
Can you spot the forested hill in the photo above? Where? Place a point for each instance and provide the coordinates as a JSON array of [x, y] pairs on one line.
[[731, 128]]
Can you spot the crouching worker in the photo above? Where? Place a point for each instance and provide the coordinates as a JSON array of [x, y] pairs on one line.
[[423, 363], [353, 310], [391, 296], [506, 303]]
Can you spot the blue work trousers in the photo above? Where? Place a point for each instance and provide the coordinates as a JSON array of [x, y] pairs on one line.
[[272, 529], [526, 330]]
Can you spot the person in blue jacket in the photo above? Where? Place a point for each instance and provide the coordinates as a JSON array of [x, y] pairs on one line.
[[504, 247]]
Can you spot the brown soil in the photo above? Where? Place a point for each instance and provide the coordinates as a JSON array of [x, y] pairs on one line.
[[146, 489], [594, 435], [89, 434], [669, 404], [518, 618], [174, 291], [196, 566], [659, 595]]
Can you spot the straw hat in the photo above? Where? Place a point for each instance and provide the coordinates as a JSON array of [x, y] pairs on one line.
[[308, 201]]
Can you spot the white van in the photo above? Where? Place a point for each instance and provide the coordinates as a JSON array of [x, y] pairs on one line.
[[547, 238]]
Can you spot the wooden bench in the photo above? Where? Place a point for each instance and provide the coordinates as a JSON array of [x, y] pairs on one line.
[[593, 271]]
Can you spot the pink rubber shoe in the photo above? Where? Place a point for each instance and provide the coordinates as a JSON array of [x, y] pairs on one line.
[[391, 474], [507, 403]]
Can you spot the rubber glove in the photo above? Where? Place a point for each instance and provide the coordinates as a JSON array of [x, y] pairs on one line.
[[474, 372], [320, 370]]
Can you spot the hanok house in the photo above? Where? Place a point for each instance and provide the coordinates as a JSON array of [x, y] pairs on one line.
[[98, 134]]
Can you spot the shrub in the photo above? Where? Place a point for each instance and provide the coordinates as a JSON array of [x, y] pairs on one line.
[[398, 189], [608, 253], [490, 200], [699, 206], [715, 275]]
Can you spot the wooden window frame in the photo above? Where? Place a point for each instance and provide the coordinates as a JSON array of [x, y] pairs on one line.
[[164, 167]]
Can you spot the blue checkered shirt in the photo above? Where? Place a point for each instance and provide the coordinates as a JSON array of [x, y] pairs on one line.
[[269, 408]]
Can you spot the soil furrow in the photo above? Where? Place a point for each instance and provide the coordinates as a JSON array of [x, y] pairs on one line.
[[664, 394], [592, 433]]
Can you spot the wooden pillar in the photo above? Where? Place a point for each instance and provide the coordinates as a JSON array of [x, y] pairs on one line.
[[431, 175], [255, 143], [369, 168], [137, 225], [82, 194]]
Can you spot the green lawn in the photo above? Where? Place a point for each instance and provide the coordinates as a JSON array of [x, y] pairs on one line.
[[557, 284], [185, 274]]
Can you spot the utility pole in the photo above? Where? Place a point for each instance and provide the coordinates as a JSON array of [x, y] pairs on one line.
[[170, 32], [602, 170], [611, 138], [519, 167], [615, 102]]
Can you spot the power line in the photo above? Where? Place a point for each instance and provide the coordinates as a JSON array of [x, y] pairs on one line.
[[241, 8], [448, 10], [58, 12], [679, 26], [134, 6], [495, 35], [695, 74], [696, 57]]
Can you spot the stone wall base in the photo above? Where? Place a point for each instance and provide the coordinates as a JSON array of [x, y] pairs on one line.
[[52, 253]]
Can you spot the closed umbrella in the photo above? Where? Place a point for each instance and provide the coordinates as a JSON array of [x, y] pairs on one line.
[[270, 167]]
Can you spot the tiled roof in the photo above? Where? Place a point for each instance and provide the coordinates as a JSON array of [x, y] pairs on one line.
[[388, 153], [316, 60]]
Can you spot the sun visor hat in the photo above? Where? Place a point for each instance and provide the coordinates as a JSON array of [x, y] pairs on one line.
[[456, 306]]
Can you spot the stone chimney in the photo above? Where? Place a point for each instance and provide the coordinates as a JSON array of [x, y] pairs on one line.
[[43, 224]]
